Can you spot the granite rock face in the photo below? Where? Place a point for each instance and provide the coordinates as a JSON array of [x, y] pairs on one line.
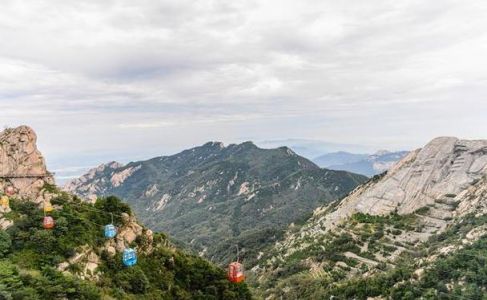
[[444, 170], [21, 163], [94, 182], [22, 169]]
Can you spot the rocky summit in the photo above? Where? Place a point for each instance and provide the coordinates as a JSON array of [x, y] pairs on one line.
[[214, 197], [437, 175], [22, 169], [21, 164]]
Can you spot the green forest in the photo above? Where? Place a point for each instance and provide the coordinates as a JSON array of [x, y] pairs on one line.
[[30, 254]]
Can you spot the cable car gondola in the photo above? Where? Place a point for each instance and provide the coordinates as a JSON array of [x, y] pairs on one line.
[[129, 257], [110, 231], [48, 222], [4, 202], [236, 271], [47, 207], [10, 190]]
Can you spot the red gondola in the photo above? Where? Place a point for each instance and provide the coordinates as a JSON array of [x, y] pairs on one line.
[[236, 272], [48, 222], [10, 190]]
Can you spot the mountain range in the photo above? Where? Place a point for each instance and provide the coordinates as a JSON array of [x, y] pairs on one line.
[[365, 164], [215, 197], [416, 231]]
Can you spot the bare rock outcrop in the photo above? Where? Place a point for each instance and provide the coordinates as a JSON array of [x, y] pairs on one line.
[[21, 163], [438, 175], [22, 168], [90, 185]]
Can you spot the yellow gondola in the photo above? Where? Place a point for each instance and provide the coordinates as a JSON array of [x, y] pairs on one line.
[[47, 207], [4, 201]]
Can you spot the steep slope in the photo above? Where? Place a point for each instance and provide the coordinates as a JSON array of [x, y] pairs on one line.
[[368, 165], [214, 197], [398, 227], [75, 261]]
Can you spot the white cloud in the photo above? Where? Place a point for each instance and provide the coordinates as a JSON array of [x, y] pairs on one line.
[[92, 75]]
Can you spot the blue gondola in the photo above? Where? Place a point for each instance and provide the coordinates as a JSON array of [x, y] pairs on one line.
[[110, 231], [129, 257]]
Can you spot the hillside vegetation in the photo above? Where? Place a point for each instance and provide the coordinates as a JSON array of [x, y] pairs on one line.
[[31, 259], [214, 197]]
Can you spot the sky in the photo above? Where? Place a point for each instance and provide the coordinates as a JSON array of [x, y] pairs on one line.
[[128, 80]]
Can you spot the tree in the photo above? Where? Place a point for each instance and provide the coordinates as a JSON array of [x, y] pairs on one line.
[[5, 243]]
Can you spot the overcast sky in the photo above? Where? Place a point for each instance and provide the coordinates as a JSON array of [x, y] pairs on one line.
[[132, 79]]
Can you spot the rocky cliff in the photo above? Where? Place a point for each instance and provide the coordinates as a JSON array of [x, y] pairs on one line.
[[22, 168], [21, 163], [438, 175]]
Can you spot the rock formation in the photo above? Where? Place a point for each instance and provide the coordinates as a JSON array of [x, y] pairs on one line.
[[21, 164], [439, 173], [22, 167], [90, 185]]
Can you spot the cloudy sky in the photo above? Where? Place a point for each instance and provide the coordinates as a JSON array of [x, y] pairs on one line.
[[102, 80]]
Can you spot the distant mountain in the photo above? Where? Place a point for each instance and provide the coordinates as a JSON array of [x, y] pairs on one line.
[[338, 158], [214, 197], [368, 165], [417, 232], [312, 148]]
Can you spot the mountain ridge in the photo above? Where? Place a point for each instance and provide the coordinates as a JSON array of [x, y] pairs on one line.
[[245, 189]]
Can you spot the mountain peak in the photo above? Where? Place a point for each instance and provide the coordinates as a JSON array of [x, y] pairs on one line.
[[248, 145], [214, 144], [21, 164], [381, 152], [445, 166]]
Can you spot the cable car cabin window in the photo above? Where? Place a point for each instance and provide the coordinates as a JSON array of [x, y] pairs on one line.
[[110, 231], [48, 222], [236, 272], [129, 257]]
